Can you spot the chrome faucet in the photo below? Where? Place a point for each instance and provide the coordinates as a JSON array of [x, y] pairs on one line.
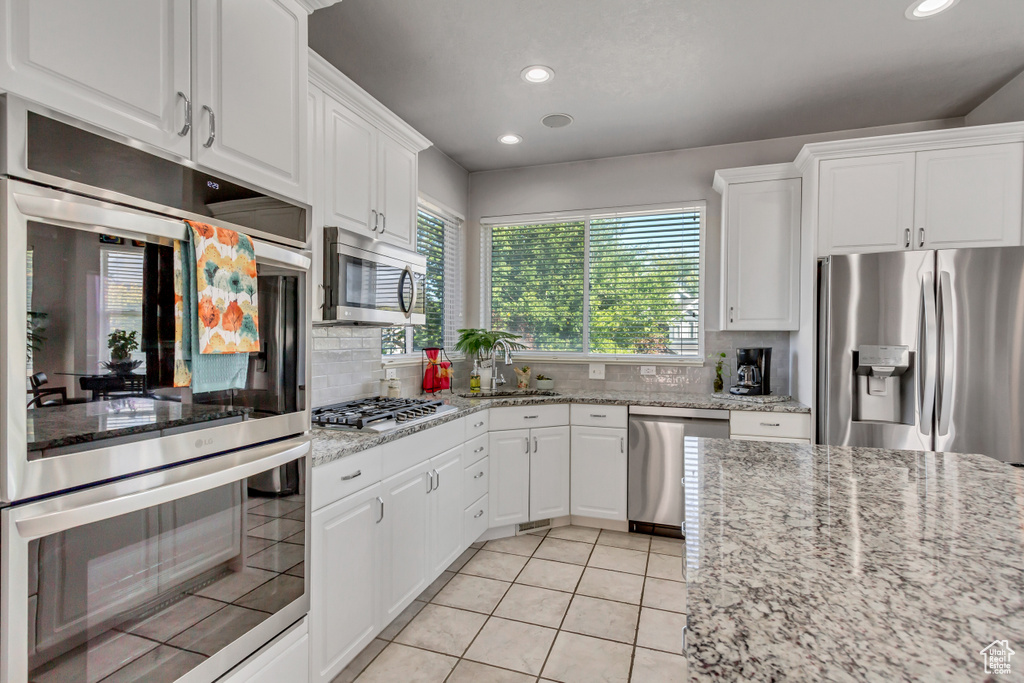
[[496, 379]]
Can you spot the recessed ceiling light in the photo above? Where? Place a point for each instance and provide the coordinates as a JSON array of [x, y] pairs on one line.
[[510, 139], [556, 120], [922, 9], [537, 74]]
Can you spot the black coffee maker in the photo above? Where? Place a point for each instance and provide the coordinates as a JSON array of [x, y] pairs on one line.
[[753, 372]]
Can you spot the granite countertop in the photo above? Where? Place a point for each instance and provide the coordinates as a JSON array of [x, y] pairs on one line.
[[78, 423], [850, 564], [332, 444]]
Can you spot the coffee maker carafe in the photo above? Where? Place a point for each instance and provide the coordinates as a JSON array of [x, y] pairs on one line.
[[753, 372]]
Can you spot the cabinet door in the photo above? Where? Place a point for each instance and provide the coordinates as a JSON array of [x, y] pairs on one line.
[[762, 274], [350, 171], [866, 204], [344, 578], [404, 540], [446, 510], [510, 477], [397, 193], [118, 64], [969, 197], [251, 81], [315, 196], [598, 473], [549, 472]]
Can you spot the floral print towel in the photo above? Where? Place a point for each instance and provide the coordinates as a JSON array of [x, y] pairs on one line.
[[182, 331], [226, 291]]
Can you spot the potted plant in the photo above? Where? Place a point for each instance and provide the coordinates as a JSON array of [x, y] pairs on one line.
[[478, 343], [720, 365], [121, 344], [545, 383]]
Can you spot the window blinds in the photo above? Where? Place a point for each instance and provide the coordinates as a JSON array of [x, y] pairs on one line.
[[122, 291]]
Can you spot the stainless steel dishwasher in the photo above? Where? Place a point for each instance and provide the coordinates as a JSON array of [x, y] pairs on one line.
[[657, 449]]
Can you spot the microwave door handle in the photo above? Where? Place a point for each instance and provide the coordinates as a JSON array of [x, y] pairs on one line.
[[926, 364], [407, 274], [945, 387]]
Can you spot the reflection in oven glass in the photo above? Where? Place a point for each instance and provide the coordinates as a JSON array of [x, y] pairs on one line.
[[150, 595]]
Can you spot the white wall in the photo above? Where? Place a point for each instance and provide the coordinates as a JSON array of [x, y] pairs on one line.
[[444, 181], [1006, 104]]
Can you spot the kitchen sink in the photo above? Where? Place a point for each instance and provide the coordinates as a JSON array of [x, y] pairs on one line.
[[509, 394]]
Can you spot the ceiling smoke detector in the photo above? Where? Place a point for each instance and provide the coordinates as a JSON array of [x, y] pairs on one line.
[[556, 120], [537, 74], [922, 9]]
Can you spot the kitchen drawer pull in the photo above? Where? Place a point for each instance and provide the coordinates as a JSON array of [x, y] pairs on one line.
[[479, 450], [349, 477], [213, 128], [771, 424], [596, 415], [478, 474], [188, 115], [478, 424], [479, 514], [530, 417]]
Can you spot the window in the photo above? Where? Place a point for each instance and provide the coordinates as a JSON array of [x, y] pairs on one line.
[[122, 296], [439, 239], [611, 284]]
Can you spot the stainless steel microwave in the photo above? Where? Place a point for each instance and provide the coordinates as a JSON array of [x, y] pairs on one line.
[[369, 282]]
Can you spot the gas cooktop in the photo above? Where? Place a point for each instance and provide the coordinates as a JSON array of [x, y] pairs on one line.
[[379, 414]]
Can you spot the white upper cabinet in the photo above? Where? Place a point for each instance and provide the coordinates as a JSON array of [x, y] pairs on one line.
[[397, 192], [251, 81], [119, 64], [866, 204], [761, 247], [969, 197], [350, 154]]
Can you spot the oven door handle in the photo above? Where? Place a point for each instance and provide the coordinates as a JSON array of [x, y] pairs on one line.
[[407, 274], [53, 515]]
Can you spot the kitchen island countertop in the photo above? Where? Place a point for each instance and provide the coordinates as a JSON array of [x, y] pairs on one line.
[[808, 563]]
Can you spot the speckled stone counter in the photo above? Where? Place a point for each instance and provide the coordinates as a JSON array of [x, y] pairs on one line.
[[332, 444], [810, 563]]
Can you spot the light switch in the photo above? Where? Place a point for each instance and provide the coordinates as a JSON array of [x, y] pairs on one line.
[[597, 371], [390, 373], [646, 369]]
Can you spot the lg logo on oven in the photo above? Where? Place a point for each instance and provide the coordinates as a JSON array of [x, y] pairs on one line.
[[203, 442]]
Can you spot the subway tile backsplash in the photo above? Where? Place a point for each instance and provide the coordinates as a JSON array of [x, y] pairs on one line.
[[347, 365]]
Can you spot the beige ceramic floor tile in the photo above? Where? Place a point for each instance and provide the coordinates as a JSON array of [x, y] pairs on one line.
[[103, 655], [575, 533], [442, 629], [661, 630], [651, 666], [558, 576], [621, 539], [234, 585], [434, 588], [172, 620], [277, 529], [160, 665], [579, 659], [516, 545], [362, 660], [561, 550], [602, 618], [512, 645], [665, 595], [474, 672], [534, 605], [279, 557], [608, 585], [667, 546], [218, 630], [274, 594], [619, 559], [665, 567], [500, 566], [402, 620], [462, 559], [472, 592], [408, 665]]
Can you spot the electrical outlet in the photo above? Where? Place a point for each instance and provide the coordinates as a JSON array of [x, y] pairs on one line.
[[390, 373], [646, 369], [597, 371]]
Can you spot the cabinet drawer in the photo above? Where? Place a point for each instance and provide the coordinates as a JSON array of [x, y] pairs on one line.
[[599, 416], [773, 439], [337, 479], [474, 481], [476, 449], [529, 417], [477, 424], [474, 521], [782, 425], [411, 450]]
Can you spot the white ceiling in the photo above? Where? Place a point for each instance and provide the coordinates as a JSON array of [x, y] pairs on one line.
[[651, 75]]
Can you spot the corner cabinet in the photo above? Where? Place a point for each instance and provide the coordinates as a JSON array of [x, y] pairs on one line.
[[760, 247]]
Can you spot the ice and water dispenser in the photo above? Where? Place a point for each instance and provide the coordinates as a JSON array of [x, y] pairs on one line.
[[882, 382]]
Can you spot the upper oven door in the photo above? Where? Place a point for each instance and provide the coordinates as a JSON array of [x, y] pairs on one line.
[[372, 283], [80, 274]]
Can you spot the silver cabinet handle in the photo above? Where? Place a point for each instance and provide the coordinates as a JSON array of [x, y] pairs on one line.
[[530, 417], [732, 309], [213, 127], [906, 238], [771, 424], [527, 444], [376, 219], [437, 479], [478, 515], [478, 424], [622, 444], [383, 223], [188, 115], [534, 444], [596, 415], [381, 501], [348, 477], [920, 235], [478, 474], [430, 481], [479, 449]]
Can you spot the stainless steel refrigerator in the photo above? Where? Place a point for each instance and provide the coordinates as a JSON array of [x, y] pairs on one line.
[[923, 350]]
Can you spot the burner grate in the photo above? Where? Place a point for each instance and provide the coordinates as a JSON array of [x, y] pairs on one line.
[[362, 413]]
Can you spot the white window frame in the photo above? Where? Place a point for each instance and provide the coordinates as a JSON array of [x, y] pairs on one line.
[[487, 222], [105, 328]]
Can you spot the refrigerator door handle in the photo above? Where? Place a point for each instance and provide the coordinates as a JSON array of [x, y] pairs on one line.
[[945, 362], [926, 366]]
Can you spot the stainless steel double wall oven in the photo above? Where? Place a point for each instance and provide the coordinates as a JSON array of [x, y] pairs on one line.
[[146, 528]]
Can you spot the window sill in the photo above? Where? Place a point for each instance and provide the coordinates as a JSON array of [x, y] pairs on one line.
[[406, 359], [607, 360]]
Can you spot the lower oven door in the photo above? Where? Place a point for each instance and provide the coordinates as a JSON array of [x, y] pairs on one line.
[[178, 574]]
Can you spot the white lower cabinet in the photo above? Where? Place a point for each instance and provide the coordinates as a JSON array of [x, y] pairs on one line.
[[598, 487], [446, 510], [549, 472], [344, 584], [509, 491], [404, 543]]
